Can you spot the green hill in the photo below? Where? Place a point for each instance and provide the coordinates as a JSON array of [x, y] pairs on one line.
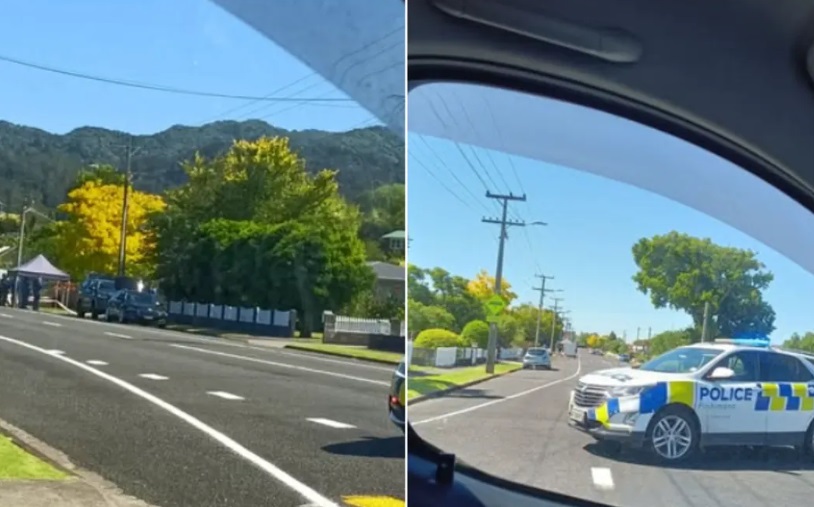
[[38, 165]]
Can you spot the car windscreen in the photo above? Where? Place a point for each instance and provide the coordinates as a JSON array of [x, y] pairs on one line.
[[107, 286], [682, 360], [141, 298], [537, 352]]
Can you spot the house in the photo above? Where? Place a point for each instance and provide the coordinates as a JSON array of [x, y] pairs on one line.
[[390, 279], [394, 241]]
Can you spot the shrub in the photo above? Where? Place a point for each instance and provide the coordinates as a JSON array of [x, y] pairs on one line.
[[476, 332], [435, 338]]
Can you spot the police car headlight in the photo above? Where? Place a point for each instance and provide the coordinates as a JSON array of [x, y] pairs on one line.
[[622, 391]]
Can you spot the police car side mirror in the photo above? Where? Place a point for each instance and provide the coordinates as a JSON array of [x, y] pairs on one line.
[[721, 373]]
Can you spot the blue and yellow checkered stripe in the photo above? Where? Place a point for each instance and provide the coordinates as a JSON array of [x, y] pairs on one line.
[[784, 397], [650, 400]]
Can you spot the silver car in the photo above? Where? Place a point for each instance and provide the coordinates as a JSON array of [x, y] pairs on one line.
[[537, 357]]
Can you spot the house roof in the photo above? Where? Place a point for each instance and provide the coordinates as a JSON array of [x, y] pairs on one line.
[[394, 235], [387, 271]]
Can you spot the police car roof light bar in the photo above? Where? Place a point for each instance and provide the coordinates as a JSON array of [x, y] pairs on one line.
[[745, 342]]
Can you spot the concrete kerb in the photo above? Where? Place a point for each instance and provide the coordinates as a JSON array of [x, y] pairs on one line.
[[443, 392], [112, 495], [294, 346]]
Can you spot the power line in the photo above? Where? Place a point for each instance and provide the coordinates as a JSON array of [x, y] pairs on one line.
[[161, 88]]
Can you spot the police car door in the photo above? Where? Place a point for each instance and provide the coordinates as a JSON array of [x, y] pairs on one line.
[[787, 387], [727, 405]]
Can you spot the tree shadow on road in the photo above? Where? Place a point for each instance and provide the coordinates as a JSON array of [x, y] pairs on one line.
[[722, 459], [370, 447]]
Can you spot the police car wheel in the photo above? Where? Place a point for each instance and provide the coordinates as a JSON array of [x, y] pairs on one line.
[[674, 435]]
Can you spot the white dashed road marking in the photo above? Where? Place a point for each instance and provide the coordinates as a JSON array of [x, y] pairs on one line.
[[602, 477], [282, 365], [96, 362], [225, 395], [55, 352], [332, 424], [6, 315], [308, 493], [53, 324], [119, 335], [153, 376]]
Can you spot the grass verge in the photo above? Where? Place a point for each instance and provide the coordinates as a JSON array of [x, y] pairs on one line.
[[15, 463], [421, 383], [364, 353]]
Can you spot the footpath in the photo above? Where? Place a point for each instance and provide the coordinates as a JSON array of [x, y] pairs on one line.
[[33, 474]]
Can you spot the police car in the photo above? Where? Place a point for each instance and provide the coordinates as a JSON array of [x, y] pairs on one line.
[[729, 392]]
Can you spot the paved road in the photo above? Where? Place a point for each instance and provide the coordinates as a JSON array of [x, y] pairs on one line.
[[516, 427], [180, 420]]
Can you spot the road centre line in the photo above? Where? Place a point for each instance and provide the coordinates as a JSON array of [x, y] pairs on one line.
[[602, 478], [6, 315], [119, 335], [226, 396], [501, 400], [96, 362], [55, 352], [54, 324], [331, 423], [281, 365], [272, 470], [153, 376]]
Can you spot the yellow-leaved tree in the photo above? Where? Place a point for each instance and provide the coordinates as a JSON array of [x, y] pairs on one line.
[[88, 239], [483, 286]]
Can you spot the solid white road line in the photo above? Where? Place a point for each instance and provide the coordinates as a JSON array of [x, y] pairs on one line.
[[119, 335], [602, 478], [153, 376], [53, 324], [501, 400], [272, 470], [225, 395], [96, 362], [55, 352], [331, 423], [282, 365]]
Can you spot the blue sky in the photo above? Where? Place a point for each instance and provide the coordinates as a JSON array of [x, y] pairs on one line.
[[593, 221], [190, 44]]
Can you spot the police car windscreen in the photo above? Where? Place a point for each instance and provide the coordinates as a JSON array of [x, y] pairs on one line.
[[681, 360]]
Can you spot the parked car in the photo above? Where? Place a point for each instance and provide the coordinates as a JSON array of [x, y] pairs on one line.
[[537, 357], [397, 396], [94, 294], [134, 306], [624, 358]]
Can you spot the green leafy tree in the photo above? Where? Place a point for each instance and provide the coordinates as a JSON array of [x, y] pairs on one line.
[[797, 342], [421, 317], [668, 340], [437, 287], [476, 332], [526, 315], [682, 272]]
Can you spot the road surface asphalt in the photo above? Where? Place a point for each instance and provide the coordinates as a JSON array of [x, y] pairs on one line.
[[516, 427], [179, 420]]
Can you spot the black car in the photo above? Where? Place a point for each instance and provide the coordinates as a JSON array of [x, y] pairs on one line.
[[397, 396], [94, 294], [136, 306]]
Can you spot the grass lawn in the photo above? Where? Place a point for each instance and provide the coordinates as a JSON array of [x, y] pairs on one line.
[[349, 351], [420, 382], [15, 463]]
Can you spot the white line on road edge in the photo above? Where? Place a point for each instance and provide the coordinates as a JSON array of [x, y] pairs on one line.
[[602, 477], [153, 376], [54, 324], [119, 335], [282, 365], [501, 400], [303, 489], [331, 423], [225, 395], [96, 362]]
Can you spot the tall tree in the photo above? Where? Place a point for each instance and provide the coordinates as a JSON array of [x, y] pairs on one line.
[[682, 272], [483, 286]]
